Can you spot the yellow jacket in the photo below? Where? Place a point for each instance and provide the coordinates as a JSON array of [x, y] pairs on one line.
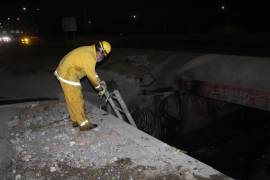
[[77, 64]]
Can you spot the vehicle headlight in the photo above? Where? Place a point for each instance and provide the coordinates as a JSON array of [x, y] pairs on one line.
[[25, 41], [5, 39]]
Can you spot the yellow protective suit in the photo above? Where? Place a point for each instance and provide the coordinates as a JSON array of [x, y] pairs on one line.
[[77, 64]]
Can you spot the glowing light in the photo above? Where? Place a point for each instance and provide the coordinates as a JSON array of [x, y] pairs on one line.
[[24, 8], [5, 39], [25, 41]]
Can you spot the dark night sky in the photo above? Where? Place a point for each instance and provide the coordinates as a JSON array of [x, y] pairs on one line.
[[183, 16]]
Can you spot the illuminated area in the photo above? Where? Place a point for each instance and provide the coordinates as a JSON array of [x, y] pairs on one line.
[[25, 41], [192, 74], [222, 8], [5, 39], [24, 8], [222, 5]]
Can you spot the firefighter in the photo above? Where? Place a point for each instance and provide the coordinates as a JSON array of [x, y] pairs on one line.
[[77, 64]]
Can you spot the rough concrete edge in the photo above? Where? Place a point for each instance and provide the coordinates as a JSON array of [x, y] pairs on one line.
[[164, 151]]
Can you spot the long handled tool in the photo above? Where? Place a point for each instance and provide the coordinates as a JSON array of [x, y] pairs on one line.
[[119, 107]]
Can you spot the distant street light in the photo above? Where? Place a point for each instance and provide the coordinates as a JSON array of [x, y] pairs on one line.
[[222, 5], [24, 8], [222, 8], [18, 18], [8, 18]]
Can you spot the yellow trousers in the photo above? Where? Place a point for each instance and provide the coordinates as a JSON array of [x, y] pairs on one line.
[[75, 102]]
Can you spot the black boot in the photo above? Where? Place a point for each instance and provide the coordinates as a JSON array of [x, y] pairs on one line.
[[75, 124]]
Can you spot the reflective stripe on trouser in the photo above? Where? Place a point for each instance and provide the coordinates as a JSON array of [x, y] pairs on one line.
[[75, 102]]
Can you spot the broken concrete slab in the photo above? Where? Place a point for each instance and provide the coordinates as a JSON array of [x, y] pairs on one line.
[[47, 147]]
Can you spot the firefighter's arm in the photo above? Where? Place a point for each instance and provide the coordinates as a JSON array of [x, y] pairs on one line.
[[99, 85], [93, 78]]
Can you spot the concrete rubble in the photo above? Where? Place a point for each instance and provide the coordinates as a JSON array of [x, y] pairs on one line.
[[46, 146]]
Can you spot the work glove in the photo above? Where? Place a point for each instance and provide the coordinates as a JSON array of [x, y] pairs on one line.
[[102, 92], [103, 89], [103, 84]]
